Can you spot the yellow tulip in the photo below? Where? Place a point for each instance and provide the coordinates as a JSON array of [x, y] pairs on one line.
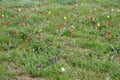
[[19, 9], [49, 12], [98, 24], [65, 17], [119, 10], [108, 16], [2, 15]]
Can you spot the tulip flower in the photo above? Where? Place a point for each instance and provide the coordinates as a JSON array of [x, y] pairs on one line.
[[26, 41], [108, 23], [31, 37], [2, 15], [70, 31], [38, 36], [49, 12], [8, 36], [119, 11], [14, 31], [24, 17], [2, 23], [108, 16], [19, 9], [7, 23], [59, 27], [65, 17]]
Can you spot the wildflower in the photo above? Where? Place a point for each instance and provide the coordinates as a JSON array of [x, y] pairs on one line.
[[24, 17], [14, 31], [38, 65], [65, 17], [63, 69], [8, 35]]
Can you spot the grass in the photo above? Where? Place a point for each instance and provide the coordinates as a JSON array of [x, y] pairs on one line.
[[59, 40]]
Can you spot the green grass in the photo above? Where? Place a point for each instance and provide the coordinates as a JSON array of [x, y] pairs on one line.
[[40, 37]]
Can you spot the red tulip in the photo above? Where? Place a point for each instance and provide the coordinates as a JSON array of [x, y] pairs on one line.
[[24, 17], [108, 23], [67, 21], [10, 7], [70, 31], [31, 37], [26, 41], [101, 23], [8, 35], [12, 16], [86, 17], [59, 27], [107, 33], [69, 10], [21, 24], [7, 23], [78, 15], [14, 31], [2, 23], [38, 36]]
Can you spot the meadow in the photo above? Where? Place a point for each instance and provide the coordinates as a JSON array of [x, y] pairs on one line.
[[59, 39]]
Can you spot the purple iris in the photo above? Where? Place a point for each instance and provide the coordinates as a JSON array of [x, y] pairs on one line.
[[52, 60], [38, 65]]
